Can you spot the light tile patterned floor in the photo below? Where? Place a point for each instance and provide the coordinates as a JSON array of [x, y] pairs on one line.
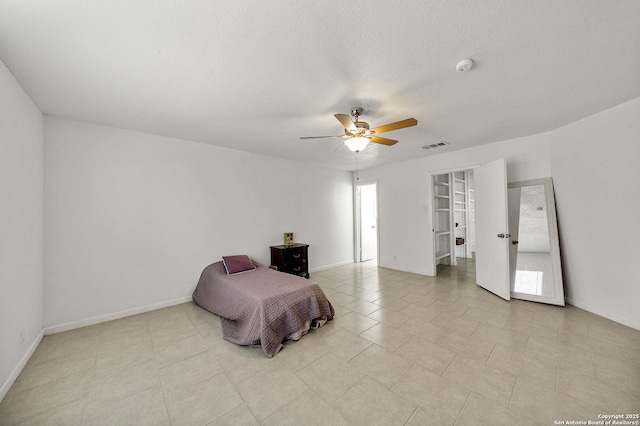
[[403, 349]]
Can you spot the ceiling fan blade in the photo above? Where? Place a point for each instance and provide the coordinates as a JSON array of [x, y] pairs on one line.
[[345, 120], [395, 126], [383, 141], [320, 137]]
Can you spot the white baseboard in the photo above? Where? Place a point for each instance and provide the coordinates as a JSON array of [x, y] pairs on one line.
[[613, 317], [117, 315], [18, 369], [397, 268], [333, 265]]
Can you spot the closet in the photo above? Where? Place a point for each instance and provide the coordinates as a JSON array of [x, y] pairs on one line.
[[453, 216]]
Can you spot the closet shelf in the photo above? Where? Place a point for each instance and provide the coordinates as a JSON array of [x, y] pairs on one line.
[[451, 198], [442, 254]]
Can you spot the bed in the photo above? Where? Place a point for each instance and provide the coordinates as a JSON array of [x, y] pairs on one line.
[[262, 307]]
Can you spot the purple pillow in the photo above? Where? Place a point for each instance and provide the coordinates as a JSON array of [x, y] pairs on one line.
[[237, 264]]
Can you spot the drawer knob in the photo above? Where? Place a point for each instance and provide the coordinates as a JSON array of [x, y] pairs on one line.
[[296, 269], [296, 256]]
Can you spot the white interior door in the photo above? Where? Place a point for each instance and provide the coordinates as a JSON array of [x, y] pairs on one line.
[[367, 218], [368, 222], [492, 228]]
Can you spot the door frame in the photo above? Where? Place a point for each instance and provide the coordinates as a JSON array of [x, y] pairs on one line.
[[434, 266], [357, 221]]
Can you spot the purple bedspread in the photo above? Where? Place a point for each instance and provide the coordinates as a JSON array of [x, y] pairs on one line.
[[260, 307]]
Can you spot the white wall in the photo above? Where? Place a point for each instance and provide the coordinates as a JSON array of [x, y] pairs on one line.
[[21, 218], [131, 219], [594, 166], [404, 195], [596, 174]]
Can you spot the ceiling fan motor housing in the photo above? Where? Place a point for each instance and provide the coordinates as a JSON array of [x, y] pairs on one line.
[[361, 128]]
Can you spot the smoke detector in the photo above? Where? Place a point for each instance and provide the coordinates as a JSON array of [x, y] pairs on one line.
[[464, 65]]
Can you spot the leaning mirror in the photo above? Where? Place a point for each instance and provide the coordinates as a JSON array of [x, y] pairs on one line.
[[534, 255]]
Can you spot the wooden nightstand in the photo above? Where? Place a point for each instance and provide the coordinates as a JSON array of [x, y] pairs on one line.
[[291, 259]]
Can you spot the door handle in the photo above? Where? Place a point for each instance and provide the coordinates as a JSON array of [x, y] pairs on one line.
[[500, 235], [515, 242], [504, 235]]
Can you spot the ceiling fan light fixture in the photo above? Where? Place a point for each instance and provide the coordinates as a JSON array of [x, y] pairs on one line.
[[357, 134], [357, 144]]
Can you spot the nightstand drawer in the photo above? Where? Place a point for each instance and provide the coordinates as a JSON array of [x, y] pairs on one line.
[[295, 256]]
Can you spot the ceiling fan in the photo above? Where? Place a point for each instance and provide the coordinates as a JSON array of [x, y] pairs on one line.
[[358, 134]]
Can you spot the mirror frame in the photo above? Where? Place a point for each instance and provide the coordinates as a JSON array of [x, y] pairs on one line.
[[554, 243]]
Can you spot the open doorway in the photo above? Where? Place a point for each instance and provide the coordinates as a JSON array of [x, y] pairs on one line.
[[453, 212], [367, 222]]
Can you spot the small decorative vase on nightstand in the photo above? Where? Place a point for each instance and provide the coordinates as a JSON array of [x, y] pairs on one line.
[[288, 239]]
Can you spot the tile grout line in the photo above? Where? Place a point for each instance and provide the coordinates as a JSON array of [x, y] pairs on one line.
[[491, 353], [95, 368], [415, 410], [462, 409], [164, 395], [224, 371], [513, 392], [449, 365]]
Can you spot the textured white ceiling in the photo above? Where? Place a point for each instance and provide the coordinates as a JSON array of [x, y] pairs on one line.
[[257, 75]]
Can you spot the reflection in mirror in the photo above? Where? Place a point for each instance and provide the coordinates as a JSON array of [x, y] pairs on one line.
[[534, 252]]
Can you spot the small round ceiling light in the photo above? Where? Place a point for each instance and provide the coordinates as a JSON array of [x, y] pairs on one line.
[[464, 65]]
